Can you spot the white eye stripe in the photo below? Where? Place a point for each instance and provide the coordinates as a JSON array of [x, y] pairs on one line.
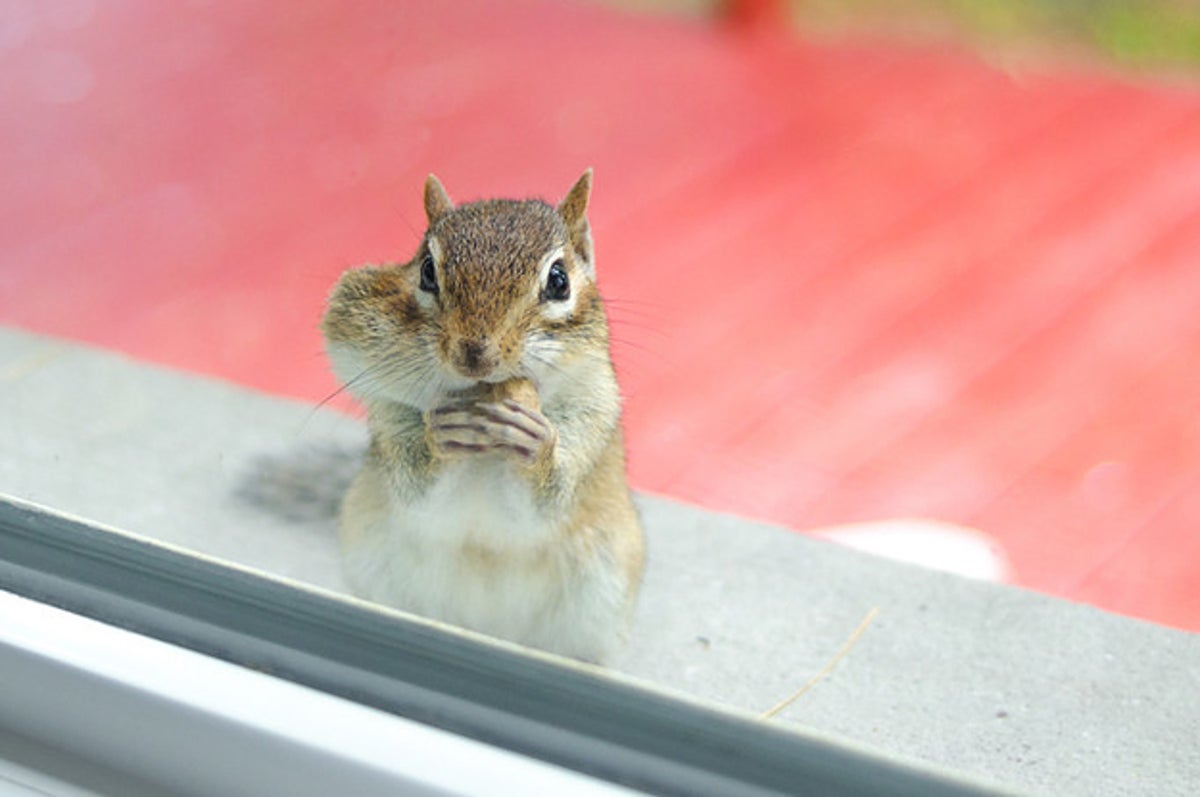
[[548, 261], [429, 279], [425, 300], [555, 310]]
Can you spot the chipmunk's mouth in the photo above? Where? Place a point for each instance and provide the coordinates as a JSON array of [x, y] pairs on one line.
[[460, 386], [506, 374], [455, 384]]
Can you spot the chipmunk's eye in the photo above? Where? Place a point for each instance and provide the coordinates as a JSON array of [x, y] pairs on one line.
[[428, 274], [558, 287]]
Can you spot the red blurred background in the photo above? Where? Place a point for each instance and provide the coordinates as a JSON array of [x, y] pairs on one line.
[[849, 280]]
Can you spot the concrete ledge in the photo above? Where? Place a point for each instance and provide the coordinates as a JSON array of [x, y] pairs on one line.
[[1036, 694]]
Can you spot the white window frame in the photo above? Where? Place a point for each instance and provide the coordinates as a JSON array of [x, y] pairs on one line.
[[186, 671]]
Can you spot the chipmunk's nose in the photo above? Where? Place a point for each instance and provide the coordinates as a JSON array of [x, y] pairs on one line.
[[475, 358]]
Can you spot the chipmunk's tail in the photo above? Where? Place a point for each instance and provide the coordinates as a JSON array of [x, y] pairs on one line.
[[302, 485]]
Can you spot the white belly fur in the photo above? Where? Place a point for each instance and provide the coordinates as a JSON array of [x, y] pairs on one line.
[[476, 552]]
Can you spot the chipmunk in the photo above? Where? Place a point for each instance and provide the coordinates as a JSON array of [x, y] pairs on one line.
[[493, 494]]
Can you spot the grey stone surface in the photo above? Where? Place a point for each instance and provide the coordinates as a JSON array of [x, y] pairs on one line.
[[1036, 694]]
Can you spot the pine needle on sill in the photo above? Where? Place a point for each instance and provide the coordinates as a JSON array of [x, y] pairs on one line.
[[824, 671]]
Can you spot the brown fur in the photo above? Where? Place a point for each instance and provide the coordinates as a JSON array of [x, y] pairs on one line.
[[411, 354]]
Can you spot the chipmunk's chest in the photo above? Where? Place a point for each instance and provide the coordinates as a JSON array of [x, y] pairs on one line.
[[480, 503], [474, 550]]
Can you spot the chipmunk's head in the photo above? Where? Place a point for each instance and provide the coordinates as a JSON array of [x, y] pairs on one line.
[[498, 289]]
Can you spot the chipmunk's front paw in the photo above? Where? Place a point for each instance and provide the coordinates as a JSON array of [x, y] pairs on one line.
[[503, 427]]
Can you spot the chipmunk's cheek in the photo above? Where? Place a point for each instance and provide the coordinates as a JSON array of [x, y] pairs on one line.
[[538, 349], [347, 361], [541, 358]]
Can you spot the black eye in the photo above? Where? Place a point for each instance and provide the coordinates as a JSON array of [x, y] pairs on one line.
[[558, 287], [428, 275]]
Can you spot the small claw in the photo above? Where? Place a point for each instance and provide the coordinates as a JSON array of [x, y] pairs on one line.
[[526, 454], [504, 416], [471, 448], [480, 428], [468, 434], [451, 409], [536, 417]]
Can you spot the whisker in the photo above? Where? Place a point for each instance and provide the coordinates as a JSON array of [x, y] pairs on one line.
[[548, 364], [627, 302], [341, 389], [408, 370], [629, 343]]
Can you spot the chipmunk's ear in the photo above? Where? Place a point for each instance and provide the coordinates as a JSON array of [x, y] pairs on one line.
[[437, 201], [573, 210]]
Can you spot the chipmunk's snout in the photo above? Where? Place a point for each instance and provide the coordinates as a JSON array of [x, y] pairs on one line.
[[475, 358]]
